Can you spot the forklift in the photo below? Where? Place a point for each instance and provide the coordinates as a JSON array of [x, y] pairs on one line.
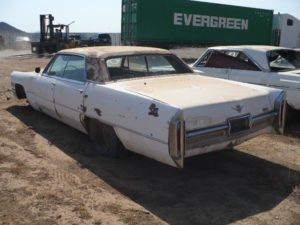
[[53, 37]]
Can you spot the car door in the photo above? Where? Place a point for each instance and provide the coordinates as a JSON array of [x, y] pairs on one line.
[[45, 85], [69, 92], [248, 76]]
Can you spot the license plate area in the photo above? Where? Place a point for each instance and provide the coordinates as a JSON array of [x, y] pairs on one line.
[[239, 124]]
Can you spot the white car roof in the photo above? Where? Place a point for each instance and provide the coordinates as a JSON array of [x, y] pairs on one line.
[[256, 52], [111, 51]]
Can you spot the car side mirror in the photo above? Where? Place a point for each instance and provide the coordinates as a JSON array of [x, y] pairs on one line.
[[37, 69]]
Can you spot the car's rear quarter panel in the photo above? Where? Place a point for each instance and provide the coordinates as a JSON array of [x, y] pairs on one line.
[[141, 123]]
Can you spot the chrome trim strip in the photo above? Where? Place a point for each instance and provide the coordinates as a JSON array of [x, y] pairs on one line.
[[206, 130]]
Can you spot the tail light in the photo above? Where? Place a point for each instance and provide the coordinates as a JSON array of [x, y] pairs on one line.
[[177, 141], [280, 108]]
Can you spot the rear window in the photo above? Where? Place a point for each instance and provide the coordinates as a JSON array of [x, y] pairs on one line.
[[227, 59], [133, 66]]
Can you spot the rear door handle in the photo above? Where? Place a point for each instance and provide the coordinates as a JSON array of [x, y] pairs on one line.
[[53, 83]]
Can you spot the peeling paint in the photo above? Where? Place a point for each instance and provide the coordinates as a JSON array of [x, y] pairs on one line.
[[98, 111], [153, 110]]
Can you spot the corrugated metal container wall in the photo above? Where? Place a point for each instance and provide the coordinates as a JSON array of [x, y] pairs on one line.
[[188, 22]]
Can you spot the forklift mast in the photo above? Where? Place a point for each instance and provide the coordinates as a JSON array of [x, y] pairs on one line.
[[44, 27], [48, 29]]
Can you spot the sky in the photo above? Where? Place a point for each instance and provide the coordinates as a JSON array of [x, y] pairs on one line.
[[101, 15]]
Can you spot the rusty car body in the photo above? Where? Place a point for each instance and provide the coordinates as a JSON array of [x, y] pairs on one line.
[[148, 101]]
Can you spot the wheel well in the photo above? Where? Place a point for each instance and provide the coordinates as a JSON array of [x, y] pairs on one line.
[[87, 120], [20, 92], [104, 138]]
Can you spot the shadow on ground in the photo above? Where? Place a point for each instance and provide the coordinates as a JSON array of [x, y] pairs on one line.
[[292, 127], [216, 188]]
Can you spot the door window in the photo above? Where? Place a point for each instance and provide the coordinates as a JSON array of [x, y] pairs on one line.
[[75, 69], [68, 66], [58, 66]]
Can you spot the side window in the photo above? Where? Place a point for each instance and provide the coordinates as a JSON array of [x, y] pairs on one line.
[[58, 66], [114, 62], [118, 68], [75, 69], [137, 63], [158, 63], [204, 59]]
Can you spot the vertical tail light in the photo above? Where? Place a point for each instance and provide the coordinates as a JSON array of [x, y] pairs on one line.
[[280, 107], [177, 141]]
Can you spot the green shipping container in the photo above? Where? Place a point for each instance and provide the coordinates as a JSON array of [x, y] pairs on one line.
[[185, 22]]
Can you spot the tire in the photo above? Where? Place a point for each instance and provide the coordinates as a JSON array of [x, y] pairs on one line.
[[105, 140], [290, 114]]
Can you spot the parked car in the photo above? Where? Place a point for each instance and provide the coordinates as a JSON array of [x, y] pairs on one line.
[[264, 65], [148, 101]]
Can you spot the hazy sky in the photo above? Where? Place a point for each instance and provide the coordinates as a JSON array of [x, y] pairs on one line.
[[100, 15]]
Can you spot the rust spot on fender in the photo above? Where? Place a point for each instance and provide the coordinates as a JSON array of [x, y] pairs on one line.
[[153, 110], [98, 111]]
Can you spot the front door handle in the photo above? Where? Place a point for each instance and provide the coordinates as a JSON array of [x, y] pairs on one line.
[[53, 83]]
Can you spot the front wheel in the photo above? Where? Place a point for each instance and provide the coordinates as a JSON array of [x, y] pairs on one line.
[[105, 140]]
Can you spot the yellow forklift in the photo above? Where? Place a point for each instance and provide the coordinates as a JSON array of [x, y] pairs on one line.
[[53, 37]]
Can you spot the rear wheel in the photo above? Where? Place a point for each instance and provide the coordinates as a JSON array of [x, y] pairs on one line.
[[105, 140], [290, 114]]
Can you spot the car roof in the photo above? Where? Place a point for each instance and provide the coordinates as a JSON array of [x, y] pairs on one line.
[[257, 53], [111, 51], [262, 48]]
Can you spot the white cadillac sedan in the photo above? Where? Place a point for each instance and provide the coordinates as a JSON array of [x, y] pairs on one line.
[[148, 101], [264, 65]]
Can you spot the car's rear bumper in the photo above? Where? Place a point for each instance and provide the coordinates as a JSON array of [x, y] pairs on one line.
[[202, 140]]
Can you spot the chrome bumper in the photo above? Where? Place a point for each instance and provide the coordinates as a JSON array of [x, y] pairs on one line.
[[181, 141], [230, 130]]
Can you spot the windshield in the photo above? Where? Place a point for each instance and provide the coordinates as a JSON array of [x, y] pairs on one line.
[[283, 60], [124, 67]]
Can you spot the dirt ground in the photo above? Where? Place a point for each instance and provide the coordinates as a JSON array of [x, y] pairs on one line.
[[49, 174]]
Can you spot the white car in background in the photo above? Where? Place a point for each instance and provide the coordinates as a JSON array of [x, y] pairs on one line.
[[264, 65], [148, 101]]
